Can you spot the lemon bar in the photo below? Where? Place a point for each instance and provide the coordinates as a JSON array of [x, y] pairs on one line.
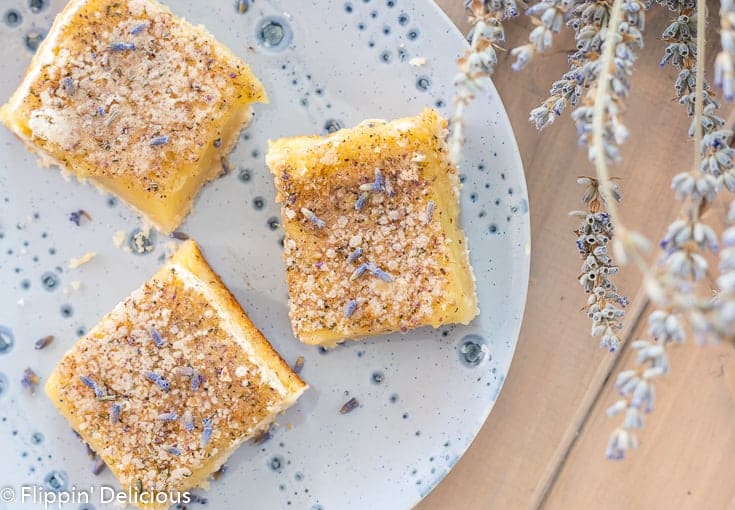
[[373, 242], [172, 381], [135, 99]]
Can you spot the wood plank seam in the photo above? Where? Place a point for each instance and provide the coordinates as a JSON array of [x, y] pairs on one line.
[[597, 387]]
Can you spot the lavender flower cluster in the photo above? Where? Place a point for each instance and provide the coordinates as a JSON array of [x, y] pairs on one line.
[[607, 36], [605, 306], [589, 19], [479, 61]]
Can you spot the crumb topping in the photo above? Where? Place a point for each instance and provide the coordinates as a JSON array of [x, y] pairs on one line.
[[162, 385], [365, 248], [132, 90]]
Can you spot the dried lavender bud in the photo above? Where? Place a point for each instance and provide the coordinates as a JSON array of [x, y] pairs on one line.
[[349, 406], [158, 380], [98, 466], [299, 365], [181, 236], [30, 380], [43, 342]]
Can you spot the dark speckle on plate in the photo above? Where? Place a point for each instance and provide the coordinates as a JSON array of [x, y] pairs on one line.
[[274, 33], [56, 481], [37, 6], [67, 311], [332, 125], [33, 38], [258, 203], [276, 463], [12, 18], [472, 350], [423, 83], [3, 383], [377, 377], [7, 340], [49, 280], [244, 174]]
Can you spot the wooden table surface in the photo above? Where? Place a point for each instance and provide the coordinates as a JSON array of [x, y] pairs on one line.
[[543, 445]]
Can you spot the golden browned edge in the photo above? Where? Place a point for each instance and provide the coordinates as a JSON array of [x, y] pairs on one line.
[[190, 257], [8, 117], [307, 148]]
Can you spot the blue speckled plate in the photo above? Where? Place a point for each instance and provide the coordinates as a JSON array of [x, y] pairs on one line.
[[423, 396]]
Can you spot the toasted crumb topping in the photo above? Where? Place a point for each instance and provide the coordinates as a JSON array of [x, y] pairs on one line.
[[164, 387], [365, 248], [129, 89]]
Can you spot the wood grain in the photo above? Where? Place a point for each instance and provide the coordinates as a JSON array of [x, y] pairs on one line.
[[686, 455], [556, 384]]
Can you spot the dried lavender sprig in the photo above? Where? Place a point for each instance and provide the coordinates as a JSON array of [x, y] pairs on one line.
[[115, 412], [587, 19], [354, 255], [90, 383], [683, 267], [478, 63], [713, 167], [725, 62], [636, 386], [605, 306], [172, 450], [206, 432], [158, 380], [350, 308], [122, 46], [312, 217], [168, 416], [548, 16], [156, 337], [715, 319], [158, 141], [188, 419]]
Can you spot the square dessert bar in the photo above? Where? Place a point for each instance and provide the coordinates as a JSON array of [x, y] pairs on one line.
[[135, 99], [373, 242], [172, 381]]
